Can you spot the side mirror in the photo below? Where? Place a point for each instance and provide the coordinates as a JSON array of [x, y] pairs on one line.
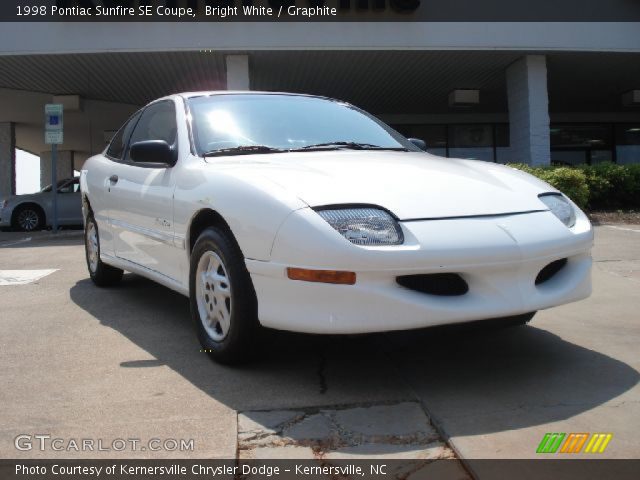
[[421, 144], [153, 151]]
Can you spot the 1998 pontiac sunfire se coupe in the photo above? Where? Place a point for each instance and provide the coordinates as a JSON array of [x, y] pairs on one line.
[[307, 214]]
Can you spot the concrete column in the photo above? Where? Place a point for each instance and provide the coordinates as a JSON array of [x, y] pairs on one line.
[[529, 110], [237, 72], [64, 164], [7, 159]]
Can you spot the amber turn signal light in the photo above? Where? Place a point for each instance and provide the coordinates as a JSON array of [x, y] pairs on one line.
[[322, 276]]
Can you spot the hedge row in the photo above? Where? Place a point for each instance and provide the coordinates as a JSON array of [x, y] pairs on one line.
[[605, 186]]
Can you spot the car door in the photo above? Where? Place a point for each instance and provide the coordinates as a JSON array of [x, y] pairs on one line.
[[98, 182], [70, 203], [141, 197]]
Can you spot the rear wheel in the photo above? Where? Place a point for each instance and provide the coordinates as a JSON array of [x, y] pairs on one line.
[[223, 301], [28, 218], [102, 274]]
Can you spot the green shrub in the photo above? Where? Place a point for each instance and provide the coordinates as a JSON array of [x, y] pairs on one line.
[[605, 186], [613, 186], [570, 181]]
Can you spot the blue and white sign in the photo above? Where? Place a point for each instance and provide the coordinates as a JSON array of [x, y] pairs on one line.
[[53, 123]]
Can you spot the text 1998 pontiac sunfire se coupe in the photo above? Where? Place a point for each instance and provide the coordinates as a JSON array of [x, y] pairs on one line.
[[307, 214]]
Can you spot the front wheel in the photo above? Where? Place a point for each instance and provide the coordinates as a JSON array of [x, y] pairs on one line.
[[28, 218], [223, 300], [102, 274]]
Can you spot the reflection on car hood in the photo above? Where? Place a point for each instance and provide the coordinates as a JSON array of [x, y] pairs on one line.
[[410, 185]]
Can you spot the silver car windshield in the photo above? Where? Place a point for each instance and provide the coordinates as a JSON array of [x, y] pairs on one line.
[[267, 123], [60, 184]]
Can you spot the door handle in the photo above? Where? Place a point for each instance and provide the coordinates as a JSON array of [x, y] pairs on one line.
[[113, 178]]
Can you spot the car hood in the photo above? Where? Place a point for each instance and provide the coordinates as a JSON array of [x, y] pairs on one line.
[[410, 185], [24, 197]]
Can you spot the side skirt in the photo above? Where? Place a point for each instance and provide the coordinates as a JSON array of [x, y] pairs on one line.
[[145, 272]]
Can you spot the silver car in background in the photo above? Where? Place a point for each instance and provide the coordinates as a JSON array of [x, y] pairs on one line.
[[34, 211]]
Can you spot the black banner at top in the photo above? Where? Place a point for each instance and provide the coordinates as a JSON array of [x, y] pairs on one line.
[[320, 10]]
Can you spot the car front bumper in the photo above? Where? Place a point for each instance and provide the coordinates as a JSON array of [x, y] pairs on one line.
[[498, 257]]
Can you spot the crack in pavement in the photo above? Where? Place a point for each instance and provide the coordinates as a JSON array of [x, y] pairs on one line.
[[400, 429]]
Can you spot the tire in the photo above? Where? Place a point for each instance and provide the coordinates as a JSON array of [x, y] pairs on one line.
[[28, 218], [223, 301], [103, 275]]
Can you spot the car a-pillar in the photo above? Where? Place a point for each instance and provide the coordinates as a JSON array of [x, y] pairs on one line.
[[7, 159]]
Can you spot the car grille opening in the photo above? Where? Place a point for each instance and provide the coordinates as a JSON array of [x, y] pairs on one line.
[[548, 272], [443, 284]]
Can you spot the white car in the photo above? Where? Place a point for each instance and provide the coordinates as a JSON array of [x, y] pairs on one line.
[[303, 213]]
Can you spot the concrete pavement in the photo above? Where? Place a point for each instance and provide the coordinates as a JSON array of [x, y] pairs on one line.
[[82, 362]]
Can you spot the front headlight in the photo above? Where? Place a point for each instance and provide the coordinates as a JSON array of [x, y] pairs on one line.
[[367, 226], [560, 207], [3, 203]]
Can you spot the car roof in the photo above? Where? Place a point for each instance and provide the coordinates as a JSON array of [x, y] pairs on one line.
[[209, 93]]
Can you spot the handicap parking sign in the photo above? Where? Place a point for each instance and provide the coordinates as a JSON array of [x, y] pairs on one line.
[[53, 123]]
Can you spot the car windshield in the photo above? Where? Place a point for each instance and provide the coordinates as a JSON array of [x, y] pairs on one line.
[[267, 123], [60, 183]]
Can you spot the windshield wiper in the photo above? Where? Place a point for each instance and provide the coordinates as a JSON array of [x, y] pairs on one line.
[[350, 145], [243, 150]]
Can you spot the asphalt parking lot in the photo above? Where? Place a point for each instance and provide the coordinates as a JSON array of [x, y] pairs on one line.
[[82, 362]]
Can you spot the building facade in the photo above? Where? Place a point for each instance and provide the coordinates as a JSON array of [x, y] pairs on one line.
[[519, 89]]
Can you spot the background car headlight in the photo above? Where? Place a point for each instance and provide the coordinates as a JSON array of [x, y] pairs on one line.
[[364, 226], [560, 207]]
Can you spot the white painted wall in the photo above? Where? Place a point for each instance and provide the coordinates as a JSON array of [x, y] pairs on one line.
[[62, 37]]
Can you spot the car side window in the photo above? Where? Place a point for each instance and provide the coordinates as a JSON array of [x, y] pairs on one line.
[[121, 138], [158, 122], [69, 186], [66, 188], [74, 185]]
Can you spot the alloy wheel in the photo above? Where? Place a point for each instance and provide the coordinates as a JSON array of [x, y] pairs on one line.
[[93, 250], [213, 295], [28, 219]]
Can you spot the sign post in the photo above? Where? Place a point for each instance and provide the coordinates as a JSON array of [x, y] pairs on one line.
[[53, 114]]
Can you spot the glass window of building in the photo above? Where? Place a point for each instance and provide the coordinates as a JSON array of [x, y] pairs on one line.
[[471, 141], [435, 136], [628, 143], [503, 151], [578, 144]]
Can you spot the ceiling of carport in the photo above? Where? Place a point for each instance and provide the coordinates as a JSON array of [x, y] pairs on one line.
[[134, 78], [591, 82], [383, 82], [389, 81]]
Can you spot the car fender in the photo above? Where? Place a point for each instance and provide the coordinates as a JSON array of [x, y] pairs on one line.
[[253, 207]]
